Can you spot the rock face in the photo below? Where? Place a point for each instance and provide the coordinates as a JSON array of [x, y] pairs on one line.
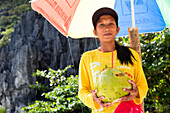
[[35, 44]]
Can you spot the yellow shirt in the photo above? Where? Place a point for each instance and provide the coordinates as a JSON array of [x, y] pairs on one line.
[[93, 62]]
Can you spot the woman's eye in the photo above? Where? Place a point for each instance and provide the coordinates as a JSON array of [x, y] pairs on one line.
[[101, 24], [111, 24]]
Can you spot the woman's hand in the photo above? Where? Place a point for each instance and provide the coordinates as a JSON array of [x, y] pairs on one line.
[[99, 100], [133, 93]]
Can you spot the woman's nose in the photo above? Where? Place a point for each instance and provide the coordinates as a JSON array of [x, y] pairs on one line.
[[107, 28]]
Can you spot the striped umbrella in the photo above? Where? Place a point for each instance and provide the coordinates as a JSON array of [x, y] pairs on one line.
[[73, 17]]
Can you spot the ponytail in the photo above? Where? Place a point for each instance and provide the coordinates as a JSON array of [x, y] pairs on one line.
[[124, 54]]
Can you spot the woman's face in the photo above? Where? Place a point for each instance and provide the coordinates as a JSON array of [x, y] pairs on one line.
[[106, 29]]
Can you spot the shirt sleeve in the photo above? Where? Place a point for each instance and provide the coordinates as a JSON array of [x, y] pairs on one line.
[[84, 93], [140, 80]]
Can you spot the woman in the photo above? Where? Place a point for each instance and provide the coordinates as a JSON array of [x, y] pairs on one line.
[[105, 22]]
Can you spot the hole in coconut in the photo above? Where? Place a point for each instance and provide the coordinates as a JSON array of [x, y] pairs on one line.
[[120, 74]]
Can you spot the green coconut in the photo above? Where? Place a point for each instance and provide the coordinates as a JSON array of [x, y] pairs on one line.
[[110, 84]]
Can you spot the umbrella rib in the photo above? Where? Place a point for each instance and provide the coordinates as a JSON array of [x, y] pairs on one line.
[[133, 13]]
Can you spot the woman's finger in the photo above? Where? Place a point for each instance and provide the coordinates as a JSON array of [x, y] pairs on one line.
[[133, 84], [117, 100], [94, 92], [101, 98], [128, 90], [107, 104], [126, 98]]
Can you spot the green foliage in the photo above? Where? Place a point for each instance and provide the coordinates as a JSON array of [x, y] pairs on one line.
[[4, 21], [6, 38], [62, 97], [13, 15], [21, 8], [2, 109], [4, 4], [40, 87], [12, 9], [156, 65]]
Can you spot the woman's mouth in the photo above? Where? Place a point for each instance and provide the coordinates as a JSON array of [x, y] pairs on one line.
[[107, 34]]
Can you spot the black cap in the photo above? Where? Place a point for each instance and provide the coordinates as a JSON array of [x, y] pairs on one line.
[[104, 11]]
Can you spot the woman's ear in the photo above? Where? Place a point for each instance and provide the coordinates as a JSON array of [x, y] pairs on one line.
[[118, 29], [94, 31]]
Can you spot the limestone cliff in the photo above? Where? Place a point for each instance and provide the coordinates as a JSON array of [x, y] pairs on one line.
[[35, 44]]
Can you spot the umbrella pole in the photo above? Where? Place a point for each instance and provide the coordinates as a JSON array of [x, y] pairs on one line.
[[133, 13], [134, 42]]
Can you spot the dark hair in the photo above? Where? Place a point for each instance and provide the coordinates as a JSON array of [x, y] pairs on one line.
[[124, 54]]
